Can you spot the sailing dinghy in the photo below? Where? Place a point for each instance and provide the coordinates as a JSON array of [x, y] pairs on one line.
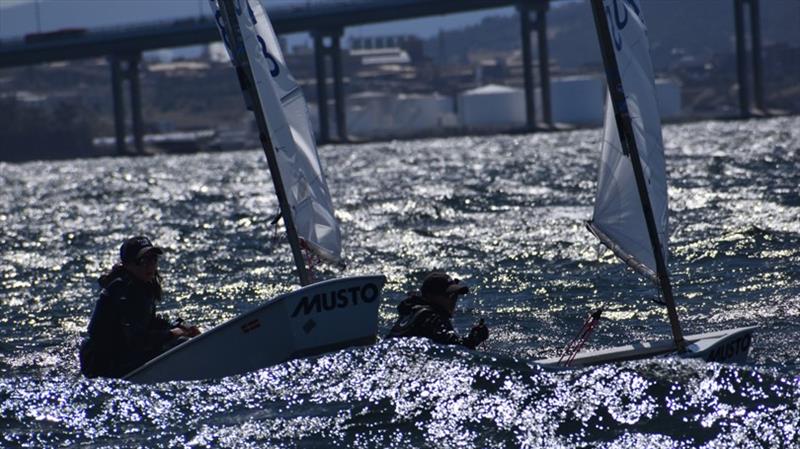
[[630, 211], [319, 317]]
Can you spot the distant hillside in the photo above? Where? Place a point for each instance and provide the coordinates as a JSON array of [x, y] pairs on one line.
[[677, 28], [707, 27]]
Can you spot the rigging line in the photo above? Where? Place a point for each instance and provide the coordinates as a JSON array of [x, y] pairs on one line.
[[581, 342], [309, 256], [274, 222], [659, 299], [574, 346]]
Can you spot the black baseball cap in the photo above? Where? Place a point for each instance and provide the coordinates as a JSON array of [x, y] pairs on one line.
[[137, 247], [440, 284]]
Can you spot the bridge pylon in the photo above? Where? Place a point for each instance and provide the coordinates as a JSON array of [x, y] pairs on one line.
[[741, 57], [126, 67], [327, 44], [527, 26]]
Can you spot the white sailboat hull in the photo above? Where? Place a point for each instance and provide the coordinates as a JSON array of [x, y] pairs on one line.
[[731, 345], [312, 320]]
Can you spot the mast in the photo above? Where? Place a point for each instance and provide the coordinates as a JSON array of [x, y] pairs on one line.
[[251, 97], [628, 142]]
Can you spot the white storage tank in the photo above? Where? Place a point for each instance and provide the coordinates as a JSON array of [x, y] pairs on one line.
[[668, 95], [369, 114], [492, 107], [577, 100], [418, 114]]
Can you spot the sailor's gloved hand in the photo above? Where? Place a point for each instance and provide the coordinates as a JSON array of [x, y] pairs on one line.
[[479, 333]]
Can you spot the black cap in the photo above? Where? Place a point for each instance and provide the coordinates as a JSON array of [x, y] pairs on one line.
[[440, 284], [136, 247]]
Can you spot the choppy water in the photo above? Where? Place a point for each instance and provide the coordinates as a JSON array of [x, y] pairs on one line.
[[503, 212]]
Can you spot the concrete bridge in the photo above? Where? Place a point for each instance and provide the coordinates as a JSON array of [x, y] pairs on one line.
[[326, 22]]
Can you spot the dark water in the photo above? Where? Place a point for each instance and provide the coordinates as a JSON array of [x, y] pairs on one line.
[[504, 213]]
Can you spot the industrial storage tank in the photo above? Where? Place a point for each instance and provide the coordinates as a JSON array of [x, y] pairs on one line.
[[422, 114], [491, 107], [577, 100], [668, 95], [369, 113]]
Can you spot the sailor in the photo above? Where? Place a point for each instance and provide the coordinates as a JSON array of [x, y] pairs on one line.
[[428, 313], [124, 331]]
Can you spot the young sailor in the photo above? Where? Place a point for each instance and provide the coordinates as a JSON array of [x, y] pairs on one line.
[[124, 331], [429, 312]]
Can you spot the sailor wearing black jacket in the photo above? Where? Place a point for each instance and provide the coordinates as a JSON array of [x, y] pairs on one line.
[[428, 313], [124, 331]]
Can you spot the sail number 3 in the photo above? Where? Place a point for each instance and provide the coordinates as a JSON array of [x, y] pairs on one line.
[[275, 70], [618, 19]]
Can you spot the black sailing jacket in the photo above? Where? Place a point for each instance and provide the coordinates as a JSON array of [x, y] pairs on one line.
[[418, 318], [124, 331]]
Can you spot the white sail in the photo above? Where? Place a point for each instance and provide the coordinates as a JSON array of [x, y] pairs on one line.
[[285, 106], [618, 219]]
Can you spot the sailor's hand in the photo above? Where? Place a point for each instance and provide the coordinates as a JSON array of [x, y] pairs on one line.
[[192, 331], [479, 333]]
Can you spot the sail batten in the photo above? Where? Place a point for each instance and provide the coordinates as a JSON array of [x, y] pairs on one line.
[[618, 214]]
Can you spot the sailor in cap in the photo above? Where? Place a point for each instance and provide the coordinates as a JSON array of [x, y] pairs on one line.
[[429, 312]]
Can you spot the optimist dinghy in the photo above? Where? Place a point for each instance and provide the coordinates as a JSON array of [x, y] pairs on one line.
[[630, 209], [318, 317]]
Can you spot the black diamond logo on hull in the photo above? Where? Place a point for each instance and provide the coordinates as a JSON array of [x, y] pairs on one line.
[[309, 326]]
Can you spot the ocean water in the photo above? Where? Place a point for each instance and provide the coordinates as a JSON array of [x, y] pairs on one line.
[[504, 213]]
